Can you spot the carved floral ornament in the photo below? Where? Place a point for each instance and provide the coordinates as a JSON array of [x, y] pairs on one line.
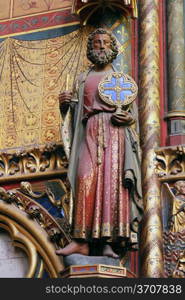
[[32, 162], [170, 163]]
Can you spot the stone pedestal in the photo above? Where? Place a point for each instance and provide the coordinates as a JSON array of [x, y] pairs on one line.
[[79, 266], [98, 271]]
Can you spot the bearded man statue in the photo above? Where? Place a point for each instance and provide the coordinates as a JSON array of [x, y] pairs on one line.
[[104, 164]]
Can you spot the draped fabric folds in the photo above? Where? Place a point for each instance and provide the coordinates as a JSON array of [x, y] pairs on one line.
[[32, 73], [102, 203]]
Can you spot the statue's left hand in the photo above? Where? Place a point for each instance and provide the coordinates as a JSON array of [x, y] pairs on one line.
[[122, 119]]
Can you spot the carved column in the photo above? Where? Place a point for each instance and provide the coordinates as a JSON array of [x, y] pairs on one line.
[[176, 72], [149, 87]]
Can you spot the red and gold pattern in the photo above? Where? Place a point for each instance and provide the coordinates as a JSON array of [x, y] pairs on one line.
[[152, 248], [89, 8], [27, 16], [20, 8], [97, 271]]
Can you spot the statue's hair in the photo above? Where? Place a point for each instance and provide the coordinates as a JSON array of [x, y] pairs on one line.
[[114, 46]]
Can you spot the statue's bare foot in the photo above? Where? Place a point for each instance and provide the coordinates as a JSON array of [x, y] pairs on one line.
[[74, 247], [108, 251]]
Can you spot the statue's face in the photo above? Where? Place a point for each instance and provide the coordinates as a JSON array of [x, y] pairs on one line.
[[101, 42], [101, 52]]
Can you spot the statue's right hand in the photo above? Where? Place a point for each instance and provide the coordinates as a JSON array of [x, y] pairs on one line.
[[65, 97]]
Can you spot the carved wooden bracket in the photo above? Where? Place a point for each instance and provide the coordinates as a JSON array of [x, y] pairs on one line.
[[36, 161]]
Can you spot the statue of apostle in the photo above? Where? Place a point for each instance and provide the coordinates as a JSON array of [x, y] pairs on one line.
[[104, 164]]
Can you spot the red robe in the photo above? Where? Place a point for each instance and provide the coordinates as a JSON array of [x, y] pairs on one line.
[[102, 203]]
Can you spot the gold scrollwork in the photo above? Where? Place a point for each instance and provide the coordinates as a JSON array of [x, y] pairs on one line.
[[170, 162], [36, 212], [64, 202], [179, 271], [118, 87], [36, 161]]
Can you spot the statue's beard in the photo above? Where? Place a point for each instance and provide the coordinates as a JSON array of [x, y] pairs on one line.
[[101, 57]]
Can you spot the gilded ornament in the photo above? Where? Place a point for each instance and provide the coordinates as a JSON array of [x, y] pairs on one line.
[[170, 162], [118, 89], [27, 235], [36, 212], [89, 8]]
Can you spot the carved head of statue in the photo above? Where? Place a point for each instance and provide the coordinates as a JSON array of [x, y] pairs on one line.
[[102, 48], [180, 187]]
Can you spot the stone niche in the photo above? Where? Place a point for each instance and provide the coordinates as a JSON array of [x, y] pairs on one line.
[[13, 261]]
